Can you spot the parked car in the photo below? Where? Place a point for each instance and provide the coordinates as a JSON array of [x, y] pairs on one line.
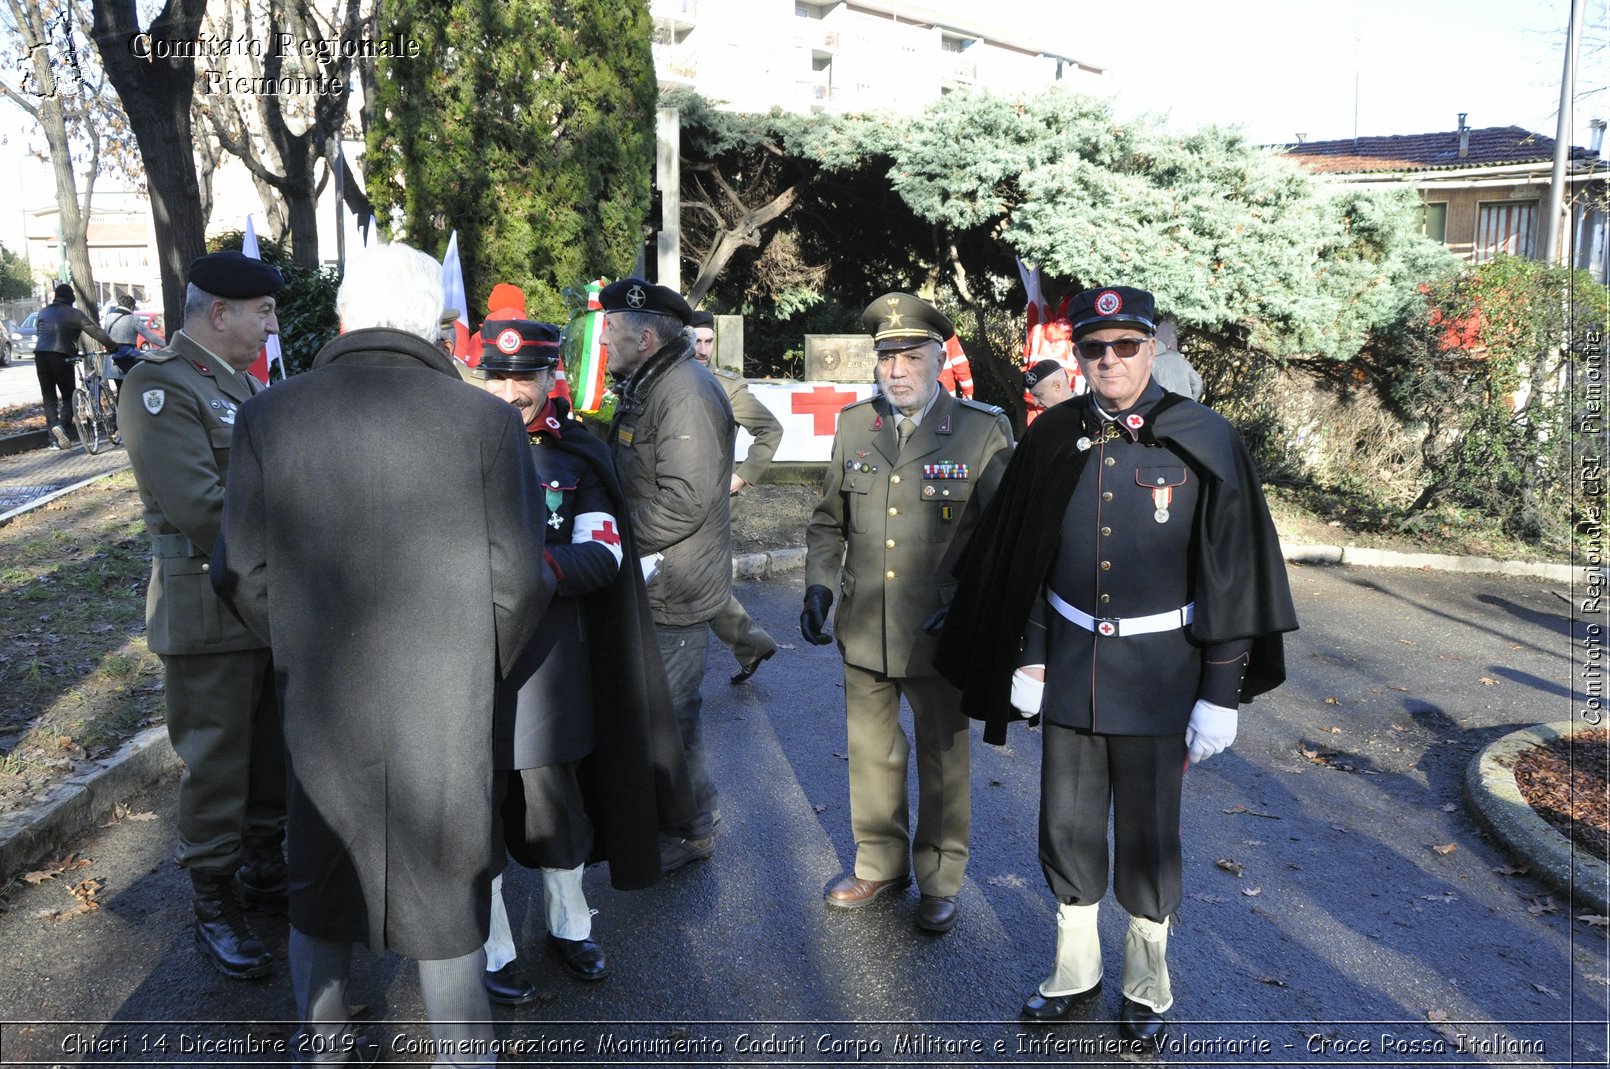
[[8, 338], [26, 335], [151, 321]]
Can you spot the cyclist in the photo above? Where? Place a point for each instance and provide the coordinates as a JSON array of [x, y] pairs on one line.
[[59, 326]]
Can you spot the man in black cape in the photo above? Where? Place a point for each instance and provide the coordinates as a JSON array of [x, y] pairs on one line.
[[1127, 586]]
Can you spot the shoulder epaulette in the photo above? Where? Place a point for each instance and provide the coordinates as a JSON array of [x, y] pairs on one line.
[[862, 401], [994, 410], [159, 356]]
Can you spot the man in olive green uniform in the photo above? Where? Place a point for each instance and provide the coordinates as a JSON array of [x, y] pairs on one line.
[[178, 415], [732, 625], [911, 470]]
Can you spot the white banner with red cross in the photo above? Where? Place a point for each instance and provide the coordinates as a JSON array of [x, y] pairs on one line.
[[809, 414]]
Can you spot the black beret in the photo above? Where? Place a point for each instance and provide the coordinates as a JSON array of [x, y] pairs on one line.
[[900, 321], [235, 275], [1111, 306], [1039, 373], [702, 319], [636, 295], [518, 345]]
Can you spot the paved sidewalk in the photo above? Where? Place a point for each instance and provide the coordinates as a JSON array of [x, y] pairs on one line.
[[30, 478]]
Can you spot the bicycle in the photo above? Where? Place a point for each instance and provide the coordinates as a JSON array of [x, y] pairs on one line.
[[95, 403]]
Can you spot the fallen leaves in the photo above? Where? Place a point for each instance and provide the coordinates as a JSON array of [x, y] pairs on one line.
[[1234, 868], [1445, 849], [1333, 701], [1252, 892], [120, 813], [1010, 879], [1541, 905], [1488, 681], [65, 863], [1441, 896], [86, 892], [1544, 989], [1237, 810], [1595, 920]]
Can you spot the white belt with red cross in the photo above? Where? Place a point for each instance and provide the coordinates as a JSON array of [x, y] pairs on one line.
[[1113, 627]]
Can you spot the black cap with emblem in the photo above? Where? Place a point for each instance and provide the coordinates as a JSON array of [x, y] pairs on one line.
[[636, 295], [518, 345], [900, 321], [235, 275], [1039, 373], [1111, 306]]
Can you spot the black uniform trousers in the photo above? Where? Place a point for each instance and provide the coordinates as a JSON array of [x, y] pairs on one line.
[[1083, 777], [56, 384], [545, 822]]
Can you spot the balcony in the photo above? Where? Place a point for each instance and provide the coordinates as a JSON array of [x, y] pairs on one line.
[[680, 15]]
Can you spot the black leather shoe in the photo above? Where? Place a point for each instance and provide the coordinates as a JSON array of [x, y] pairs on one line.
[[1050, 1008], [582, 958], [1139, 1023], [745, 671], [222, 934], [509, 986], [936, 914]]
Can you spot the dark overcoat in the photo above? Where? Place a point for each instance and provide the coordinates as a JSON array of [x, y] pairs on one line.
[[383, 533]]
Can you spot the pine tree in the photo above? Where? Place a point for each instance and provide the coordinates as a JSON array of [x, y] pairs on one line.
[[527, 126]]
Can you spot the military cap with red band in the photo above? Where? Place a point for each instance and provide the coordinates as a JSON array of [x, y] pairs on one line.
[[518, 345], [1111, 306]]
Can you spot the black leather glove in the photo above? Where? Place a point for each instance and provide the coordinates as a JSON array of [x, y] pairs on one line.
[[813, 621], [936, 623]]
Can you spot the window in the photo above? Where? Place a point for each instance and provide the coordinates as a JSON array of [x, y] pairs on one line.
[[1434, 222], [1506, 227]]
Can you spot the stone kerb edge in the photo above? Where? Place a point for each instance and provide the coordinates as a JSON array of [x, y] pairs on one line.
[[1492, 792]]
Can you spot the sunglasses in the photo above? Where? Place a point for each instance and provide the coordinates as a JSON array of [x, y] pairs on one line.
[[1123, 348]]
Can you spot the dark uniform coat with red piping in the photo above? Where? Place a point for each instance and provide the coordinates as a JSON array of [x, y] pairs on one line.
[[591, 685], [1235, 573]]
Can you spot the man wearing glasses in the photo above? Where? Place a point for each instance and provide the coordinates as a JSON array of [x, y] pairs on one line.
[[1128, 588]]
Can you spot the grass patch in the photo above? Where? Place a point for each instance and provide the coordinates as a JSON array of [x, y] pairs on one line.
[[76, 678]]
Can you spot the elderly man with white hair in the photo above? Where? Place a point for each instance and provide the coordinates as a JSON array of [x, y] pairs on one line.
[[383, 533]]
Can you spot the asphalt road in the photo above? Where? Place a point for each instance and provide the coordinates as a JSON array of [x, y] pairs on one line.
[[1373, 922]]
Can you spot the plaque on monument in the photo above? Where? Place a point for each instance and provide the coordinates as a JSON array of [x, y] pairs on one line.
[[839, 358]]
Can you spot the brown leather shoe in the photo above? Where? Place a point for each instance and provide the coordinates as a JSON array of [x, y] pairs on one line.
[[852, 892], [936, 914]]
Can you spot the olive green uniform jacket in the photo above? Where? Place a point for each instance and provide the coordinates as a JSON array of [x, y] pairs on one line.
[[897, 519], [177, 416], [755, 418]]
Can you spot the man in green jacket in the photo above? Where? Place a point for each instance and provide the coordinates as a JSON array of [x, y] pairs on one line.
[[177, 414]]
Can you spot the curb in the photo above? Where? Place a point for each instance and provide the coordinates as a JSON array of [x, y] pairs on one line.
[[1359, 557], [84, 800], [1491, 791], [13, 444]]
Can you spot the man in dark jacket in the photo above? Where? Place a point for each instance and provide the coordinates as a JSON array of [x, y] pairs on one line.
[[585, 738], [1128, 587], [59, 325], [672, 442], [383, 532]]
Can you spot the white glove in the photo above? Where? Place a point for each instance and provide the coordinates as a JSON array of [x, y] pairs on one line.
[[1028, 693], [651, 566], [1212, 729]]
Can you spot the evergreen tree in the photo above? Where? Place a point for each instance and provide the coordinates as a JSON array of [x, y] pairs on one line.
[[527, 126]]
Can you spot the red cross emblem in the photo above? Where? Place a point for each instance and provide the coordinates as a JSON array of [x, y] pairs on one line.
[[822, 404], [607, 534], [1107, 628]]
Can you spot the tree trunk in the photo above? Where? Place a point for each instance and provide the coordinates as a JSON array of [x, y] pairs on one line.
[[156, 95], [46, 108]]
